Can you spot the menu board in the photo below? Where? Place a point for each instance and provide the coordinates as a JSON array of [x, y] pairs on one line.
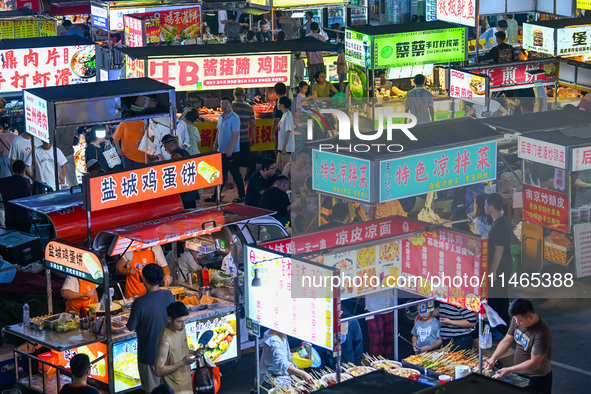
[[127, 374], [582, 233], [310, 316], [25, 28], [546, 208], [541, 152], [438, 170], [419, 47], [410, 71], [6, 29], [224, 343], [47, 28], [357, 48], [95, 350], [467, 86], [341, 175]]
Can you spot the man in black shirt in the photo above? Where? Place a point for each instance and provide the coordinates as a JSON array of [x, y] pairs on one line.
[[276, 199], [502, 53], [264, 34], [11, 188], [260, 181]]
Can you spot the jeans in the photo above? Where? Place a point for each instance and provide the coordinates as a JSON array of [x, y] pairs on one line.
[[231, 164]]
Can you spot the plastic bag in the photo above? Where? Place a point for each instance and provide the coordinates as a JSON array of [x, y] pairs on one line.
[[339, 100], [147, 146], [112, 157], [203, 381]]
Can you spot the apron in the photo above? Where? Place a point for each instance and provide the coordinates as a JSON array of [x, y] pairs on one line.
[[133, 284], [74, 304]]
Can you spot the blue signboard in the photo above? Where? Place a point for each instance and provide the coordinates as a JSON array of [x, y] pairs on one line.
[[341, 175], [440, 170]]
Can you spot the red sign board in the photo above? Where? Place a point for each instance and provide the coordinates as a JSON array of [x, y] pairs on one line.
[[546, 208], [519, 76], [173, 177], [134, 34]]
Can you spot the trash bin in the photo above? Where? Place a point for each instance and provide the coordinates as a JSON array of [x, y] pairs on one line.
[[516, 255]]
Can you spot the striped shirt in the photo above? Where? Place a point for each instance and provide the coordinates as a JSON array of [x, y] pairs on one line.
[[454, 313], [245, 113]]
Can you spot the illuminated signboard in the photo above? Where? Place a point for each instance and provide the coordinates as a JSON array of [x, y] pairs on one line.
[[410, 71], [313, 317], [225, 345], [541, 152], [27, 28], [573, 40], [468, 87], [173, 177], [439, 170], [73, 261], [221, 72], [420, 47], [43, 67], [162, 26], [539, 39], [462, 12], [519, 76], [357, 48], [113, 19], [294, 3], [584, 4], [134, 33], [36, 116], [341, 175]]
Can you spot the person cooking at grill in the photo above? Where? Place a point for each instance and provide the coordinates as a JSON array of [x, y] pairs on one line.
[[78, 293], [132, 264]]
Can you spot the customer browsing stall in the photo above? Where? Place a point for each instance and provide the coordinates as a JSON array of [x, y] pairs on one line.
[[131, 265]]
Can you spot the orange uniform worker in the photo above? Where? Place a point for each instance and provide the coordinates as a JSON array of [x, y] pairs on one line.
[[132, 264], [78, 293]]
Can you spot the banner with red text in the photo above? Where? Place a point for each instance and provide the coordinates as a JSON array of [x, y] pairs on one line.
[[520, 76], [263, 135]]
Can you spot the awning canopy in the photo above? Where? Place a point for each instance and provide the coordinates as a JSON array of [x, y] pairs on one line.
[[70, 8], [576, 137], [50, 202], [540, 121], [302, 45]]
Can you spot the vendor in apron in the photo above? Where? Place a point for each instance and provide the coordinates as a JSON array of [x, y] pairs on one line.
[[78, 293], [132, 264]]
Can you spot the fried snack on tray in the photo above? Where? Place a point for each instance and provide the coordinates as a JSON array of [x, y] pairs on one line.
[[444, 361], [359, 370]]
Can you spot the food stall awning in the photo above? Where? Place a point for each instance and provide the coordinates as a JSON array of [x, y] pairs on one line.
[[70, 8], [471, 383], [403, 28], [228, 48], [43, 42], [176, 227], [23, 12], [539, 121], [50, 202], [253, 11], [571, 137]]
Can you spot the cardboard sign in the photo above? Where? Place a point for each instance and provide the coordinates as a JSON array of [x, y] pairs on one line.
[[73, 261]]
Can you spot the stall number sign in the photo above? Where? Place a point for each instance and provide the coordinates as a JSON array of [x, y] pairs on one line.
[[538, 39], [468, 87], [420, 47], [518, 77], [582, 234], [223, 72], [541, 152], [341, 175], [581, 159], [310, 318], [439, 170], [174, 177], [546, 208], [573, 40], [43, 67], [357, 48], [36, 116], [462, 12], [73, 261]]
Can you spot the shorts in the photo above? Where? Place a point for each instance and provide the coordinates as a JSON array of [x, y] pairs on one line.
[[148, 377], [244, 155]]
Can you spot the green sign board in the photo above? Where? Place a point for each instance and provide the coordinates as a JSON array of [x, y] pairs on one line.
[[357, 48], [420, 47]]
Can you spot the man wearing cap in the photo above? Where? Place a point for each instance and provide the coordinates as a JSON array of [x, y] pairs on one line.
[[148, 317]]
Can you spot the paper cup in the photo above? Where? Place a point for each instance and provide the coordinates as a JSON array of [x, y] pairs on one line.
[[462, 371], [444, 378]]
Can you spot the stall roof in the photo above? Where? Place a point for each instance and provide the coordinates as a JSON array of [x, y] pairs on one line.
[[16, 13], [562, 23], [403, 28], [123, 87], [540, 121], [70, 8], [572, 137], [302, 45], [43, 42], [50, 202]]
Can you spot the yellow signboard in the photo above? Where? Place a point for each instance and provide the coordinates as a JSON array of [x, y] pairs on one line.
[[263, 135], [584, 4]]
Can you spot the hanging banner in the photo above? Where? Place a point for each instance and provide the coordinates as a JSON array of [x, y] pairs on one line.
[[420, 47], [221, 72], [73, 261], [541, 152], [519, 76], [546, 208], [539, 39], [573, 40], [581, 159], [440, 170], [462, 12]]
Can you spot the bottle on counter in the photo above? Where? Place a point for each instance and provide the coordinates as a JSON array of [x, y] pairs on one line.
[[205, 275], [26, 317]]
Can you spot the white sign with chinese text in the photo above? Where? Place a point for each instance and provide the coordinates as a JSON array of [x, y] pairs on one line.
[[462, 12], [573, 40], [36, 116], [468, 87], [538, 39], [581, 159], [222, 72], [310, 317], [583, 249], [541, 152], [42, 67]]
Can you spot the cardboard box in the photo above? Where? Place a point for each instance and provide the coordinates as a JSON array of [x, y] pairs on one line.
[[145, 102]]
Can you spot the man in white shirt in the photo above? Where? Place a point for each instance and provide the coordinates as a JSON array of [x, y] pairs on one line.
[[478, 110], [21, 150], [45, 165]]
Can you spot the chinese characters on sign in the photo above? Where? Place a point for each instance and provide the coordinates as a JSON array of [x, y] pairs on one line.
[[134, 68], [518, 77], [573, 40], [420, 47], [581, 159], [584, 4], [179, 24], [73, 261], [341, 175], [357, 48], [541, 152], [468, 87], [36, 116], [539, 39], [546, 208], [227, 72], [440, 170], [583, 250], [125, 187], [134, 32], [42, 67], [263, 135], [462, 12]]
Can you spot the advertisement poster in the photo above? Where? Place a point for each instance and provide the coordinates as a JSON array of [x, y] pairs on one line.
[[127, 375], [420, 47], [541, 152], [539, 39], [174, 177], [341, 175], [42, 67], [546, 208], [36, 122], [439, 170], [519, 76], [98, 370], [582, 234], [74, 261], [170, 25], [223, 344], [468, 87], [462, 12], [573, 40], [357, 48], [581, 159], [221, 72], [133, 32], [263, 135]]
